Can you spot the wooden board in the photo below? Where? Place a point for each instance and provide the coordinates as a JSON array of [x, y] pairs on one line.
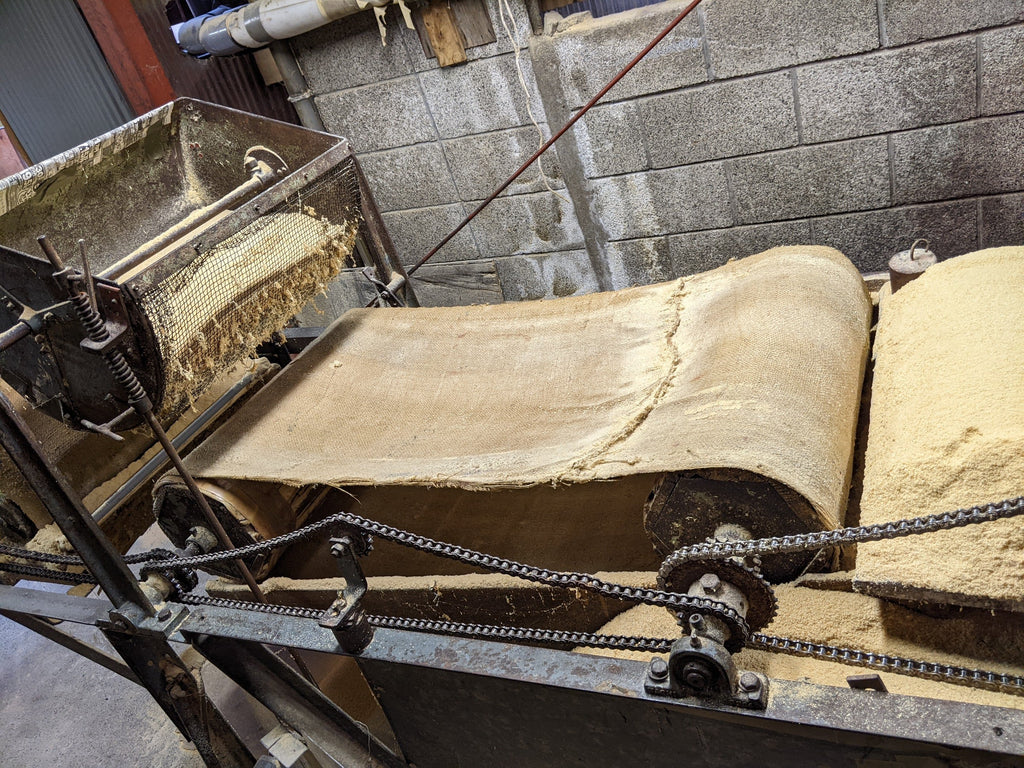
[[472, 19], [443, 33]]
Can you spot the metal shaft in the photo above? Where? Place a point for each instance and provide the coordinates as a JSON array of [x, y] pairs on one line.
[[15, 333]]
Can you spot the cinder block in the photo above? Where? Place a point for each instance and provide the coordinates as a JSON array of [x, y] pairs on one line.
[[610, 140], [536, 223], [661, 202], [480, 163], [589, 52], [746, 37], [415, 232], [1002, 71], [980, 157], [870, 239], [1002, 221], [739, 117], [348, 53], [638, 262], [811, 181], [349, 290], [546, 276], [909, 20], [380, 116], [694, 252], [481, 96], [409, 177], [888, 91]]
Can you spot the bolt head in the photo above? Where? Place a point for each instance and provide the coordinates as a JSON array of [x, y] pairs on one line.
[[164, 614], [749, 682], [658, 669], [710, 583]]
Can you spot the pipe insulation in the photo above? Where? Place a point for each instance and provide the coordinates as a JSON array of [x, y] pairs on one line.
[[228, 31]]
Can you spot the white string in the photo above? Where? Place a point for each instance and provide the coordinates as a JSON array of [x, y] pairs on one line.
[[513, 36]]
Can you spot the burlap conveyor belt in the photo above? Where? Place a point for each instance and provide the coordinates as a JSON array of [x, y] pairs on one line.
[[754, 366]]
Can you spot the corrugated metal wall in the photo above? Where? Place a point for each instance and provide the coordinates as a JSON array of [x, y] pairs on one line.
[[56, 89], [234, 81]]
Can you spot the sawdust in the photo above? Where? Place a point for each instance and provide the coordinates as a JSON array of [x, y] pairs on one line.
[[947, 431], [971, 638], [233, 297]]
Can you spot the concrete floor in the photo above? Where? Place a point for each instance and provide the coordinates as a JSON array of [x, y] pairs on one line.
[[60, 710]]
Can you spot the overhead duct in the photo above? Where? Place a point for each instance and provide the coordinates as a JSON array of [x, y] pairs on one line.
[[228, 31]]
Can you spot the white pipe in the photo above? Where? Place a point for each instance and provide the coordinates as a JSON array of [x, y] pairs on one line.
[[260, 23]]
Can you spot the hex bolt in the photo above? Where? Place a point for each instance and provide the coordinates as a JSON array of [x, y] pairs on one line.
[[710, 583], [658, 671], [164, 614], [749, 682], [696, 622]]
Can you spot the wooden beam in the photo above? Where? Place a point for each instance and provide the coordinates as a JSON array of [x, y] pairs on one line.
[[444, 34], [128, 52]]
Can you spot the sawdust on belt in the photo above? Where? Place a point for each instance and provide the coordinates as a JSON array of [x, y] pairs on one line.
[[974, 639], [232, 298], [947, 431], [756, 365]]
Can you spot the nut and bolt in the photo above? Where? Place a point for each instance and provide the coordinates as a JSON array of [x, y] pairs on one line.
[[749, 682], [164, 614], [658, 671], [710, 583]]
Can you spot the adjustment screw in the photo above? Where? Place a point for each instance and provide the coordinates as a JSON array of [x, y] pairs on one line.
[[658, 671], [710, 583], [749, 682], [164, 614], [696, 622]]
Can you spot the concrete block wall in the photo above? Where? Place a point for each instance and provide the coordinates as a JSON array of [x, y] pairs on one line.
[[860, 124], [434, 142]]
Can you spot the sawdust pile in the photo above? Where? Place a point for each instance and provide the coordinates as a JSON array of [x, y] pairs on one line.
[[947, 431], [232, 298], [972, 638]]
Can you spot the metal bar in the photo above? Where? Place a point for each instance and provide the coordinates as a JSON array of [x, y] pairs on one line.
[[548, 144], [53, 605], [72, 643], [301, 706], [241, 217], [99, 555], [182, 228], [15, 333], [155, 464], [175, 689]]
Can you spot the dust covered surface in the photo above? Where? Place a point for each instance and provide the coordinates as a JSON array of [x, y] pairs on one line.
[[230, 299], [947, 431], [972, 638], [756, 365]]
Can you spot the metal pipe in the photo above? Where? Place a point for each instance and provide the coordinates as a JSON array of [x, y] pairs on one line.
[[299, 93], [259, 23]]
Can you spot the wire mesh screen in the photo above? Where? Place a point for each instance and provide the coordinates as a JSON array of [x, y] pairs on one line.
[[233, 296]]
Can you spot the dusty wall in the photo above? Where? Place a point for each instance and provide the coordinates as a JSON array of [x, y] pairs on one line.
[[859, 124]]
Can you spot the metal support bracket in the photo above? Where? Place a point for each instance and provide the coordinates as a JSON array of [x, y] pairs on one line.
[[346, 617], [701, 667]]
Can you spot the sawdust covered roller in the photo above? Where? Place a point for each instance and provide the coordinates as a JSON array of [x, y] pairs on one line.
[[537, 430], [206, 228]]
